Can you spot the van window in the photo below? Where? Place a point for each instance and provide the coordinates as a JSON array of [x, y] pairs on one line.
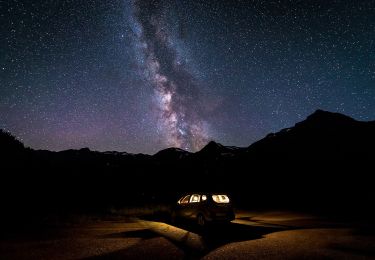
[[195, 198], [185, 200], [220, 198]]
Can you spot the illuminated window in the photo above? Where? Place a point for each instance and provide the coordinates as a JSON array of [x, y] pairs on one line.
[[194, 198], [204, 197], [220, 198], [184, 200]]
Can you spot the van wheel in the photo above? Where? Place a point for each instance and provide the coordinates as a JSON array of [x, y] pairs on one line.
[[201, 220]]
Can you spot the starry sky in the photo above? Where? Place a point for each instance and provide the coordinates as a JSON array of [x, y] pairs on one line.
[[143, 75]]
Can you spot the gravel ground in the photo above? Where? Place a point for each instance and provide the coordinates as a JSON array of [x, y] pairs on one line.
[[253, 235]]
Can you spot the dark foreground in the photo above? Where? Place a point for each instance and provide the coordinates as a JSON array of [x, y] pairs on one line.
[[253, 235]]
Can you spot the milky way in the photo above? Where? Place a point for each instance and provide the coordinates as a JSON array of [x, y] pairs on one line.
[[143, 75], [176, 93]]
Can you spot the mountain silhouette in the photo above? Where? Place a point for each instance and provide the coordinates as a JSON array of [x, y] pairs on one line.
[[9, 144], [214, 148], [171, 154], [319, 162], [323, 135]]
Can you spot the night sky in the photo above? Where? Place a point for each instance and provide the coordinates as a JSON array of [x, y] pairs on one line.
[[140, 76]]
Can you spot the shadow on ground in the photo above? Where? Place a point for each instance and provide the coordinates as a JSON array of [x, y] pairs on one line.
[[193, 241], [143, 233], [217, 235]]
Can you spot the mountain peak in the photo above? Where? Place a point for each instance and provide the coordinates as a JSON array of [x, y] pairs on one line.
[[319, 113], [85, 150], [334, 131], [171, 153], [212, 146], [325, 118]]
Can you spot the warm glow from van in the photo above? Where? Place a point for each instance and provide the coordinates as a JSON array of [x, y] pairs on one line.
[[220, 198]]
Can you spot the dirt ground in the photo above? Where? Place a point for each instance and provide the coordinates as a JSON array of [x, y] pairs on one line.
[[253, 235]]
